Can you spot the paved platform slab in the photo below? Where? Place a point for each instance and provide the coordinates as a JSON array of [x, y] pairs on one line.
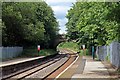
[[93, 69], [71, 70]]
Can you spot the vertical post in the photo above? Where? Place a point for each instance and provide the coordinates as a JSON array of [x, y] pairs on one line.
[[93, 48], [93, 52]]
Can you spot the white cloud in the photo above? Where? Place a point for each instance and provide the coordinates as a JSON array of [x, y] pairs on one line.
[[60, 11], [59, 1], [60, 8], [62, 22], [63, 30]]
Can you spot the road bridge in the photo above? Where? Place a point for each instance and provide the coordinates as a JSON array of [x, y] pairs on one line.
[[59, 39]]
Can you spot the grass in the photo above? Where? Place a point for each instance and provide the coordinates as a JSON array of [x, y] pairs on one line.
[[73, 46], [69, 45], [108, 57], [84, 52]]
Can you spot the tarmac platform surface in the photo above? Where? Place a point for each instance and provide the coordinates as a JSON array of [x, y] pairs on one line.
[[93, 69], [86, 68], [19, 60]]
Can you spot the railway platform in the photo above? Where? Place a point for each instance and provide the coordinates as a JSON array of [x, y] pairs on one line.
[[86, 68], [18, 60]]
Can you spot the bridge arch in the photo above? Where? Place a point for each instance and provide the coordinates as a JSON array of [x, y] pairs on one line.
[[59, 39]]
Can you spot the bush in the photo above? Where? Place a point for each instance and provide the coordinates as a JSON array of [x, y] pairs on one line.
[[33, 52], [84, 52]]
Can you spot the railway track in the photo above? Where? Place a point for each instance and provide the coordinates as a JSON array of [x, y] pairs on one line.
[[43, 70]]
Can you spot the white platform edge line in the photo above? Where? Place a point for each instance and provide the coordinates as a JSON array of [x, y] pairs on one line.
[[66, 68], [20, 61]]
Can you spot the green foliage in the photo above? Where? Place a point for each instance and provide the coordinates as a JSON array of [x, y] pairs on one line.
[[84, 52], [28, 24], [29, 52], [94, 23], [47, 52], [108, 57], [69, 45]]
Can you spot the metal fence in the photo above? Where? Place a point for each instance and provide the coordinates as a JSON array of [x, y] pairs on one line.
[[111, 52], [10, 52]]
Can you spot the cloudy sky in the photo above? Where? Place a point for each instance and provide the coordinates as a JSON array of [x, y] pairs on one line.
[[60, 8]]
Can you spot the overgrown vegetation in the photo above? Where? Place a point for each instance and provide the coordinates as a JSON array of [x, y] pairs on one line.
[[84, 52], [69, 45], [74, 47], [94, 23], [28, 24], [108, 57], [32, 52]]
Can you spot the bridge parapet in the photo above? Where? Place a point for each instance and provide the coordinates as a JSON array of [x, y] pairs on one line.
[[60, 38]]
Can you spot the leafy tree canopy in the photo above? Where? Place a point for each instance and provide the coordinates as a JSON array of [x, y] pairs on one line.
[[28, 23], [94, 22]]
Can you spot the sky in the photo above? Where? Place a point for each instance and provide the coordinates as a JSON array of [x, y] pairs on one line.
[[60, 8]]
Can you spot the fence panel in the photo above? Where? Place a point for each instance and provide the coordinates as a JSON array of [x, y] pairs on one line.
[[10, 52], [113, 50], [119, 53], [101, 52]]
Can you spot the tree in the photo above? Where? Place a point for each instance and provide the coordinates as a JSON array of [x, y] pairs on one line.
[[28, 24], [94, 22]]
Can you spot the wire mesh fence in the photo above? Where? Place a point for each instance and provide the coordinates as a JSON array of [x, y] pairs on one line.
[[10, 52], [110, 53]]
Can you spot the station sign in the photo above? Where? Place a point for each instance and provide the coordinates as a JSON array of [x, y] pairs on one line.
[[38, 47], [83, 46]]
